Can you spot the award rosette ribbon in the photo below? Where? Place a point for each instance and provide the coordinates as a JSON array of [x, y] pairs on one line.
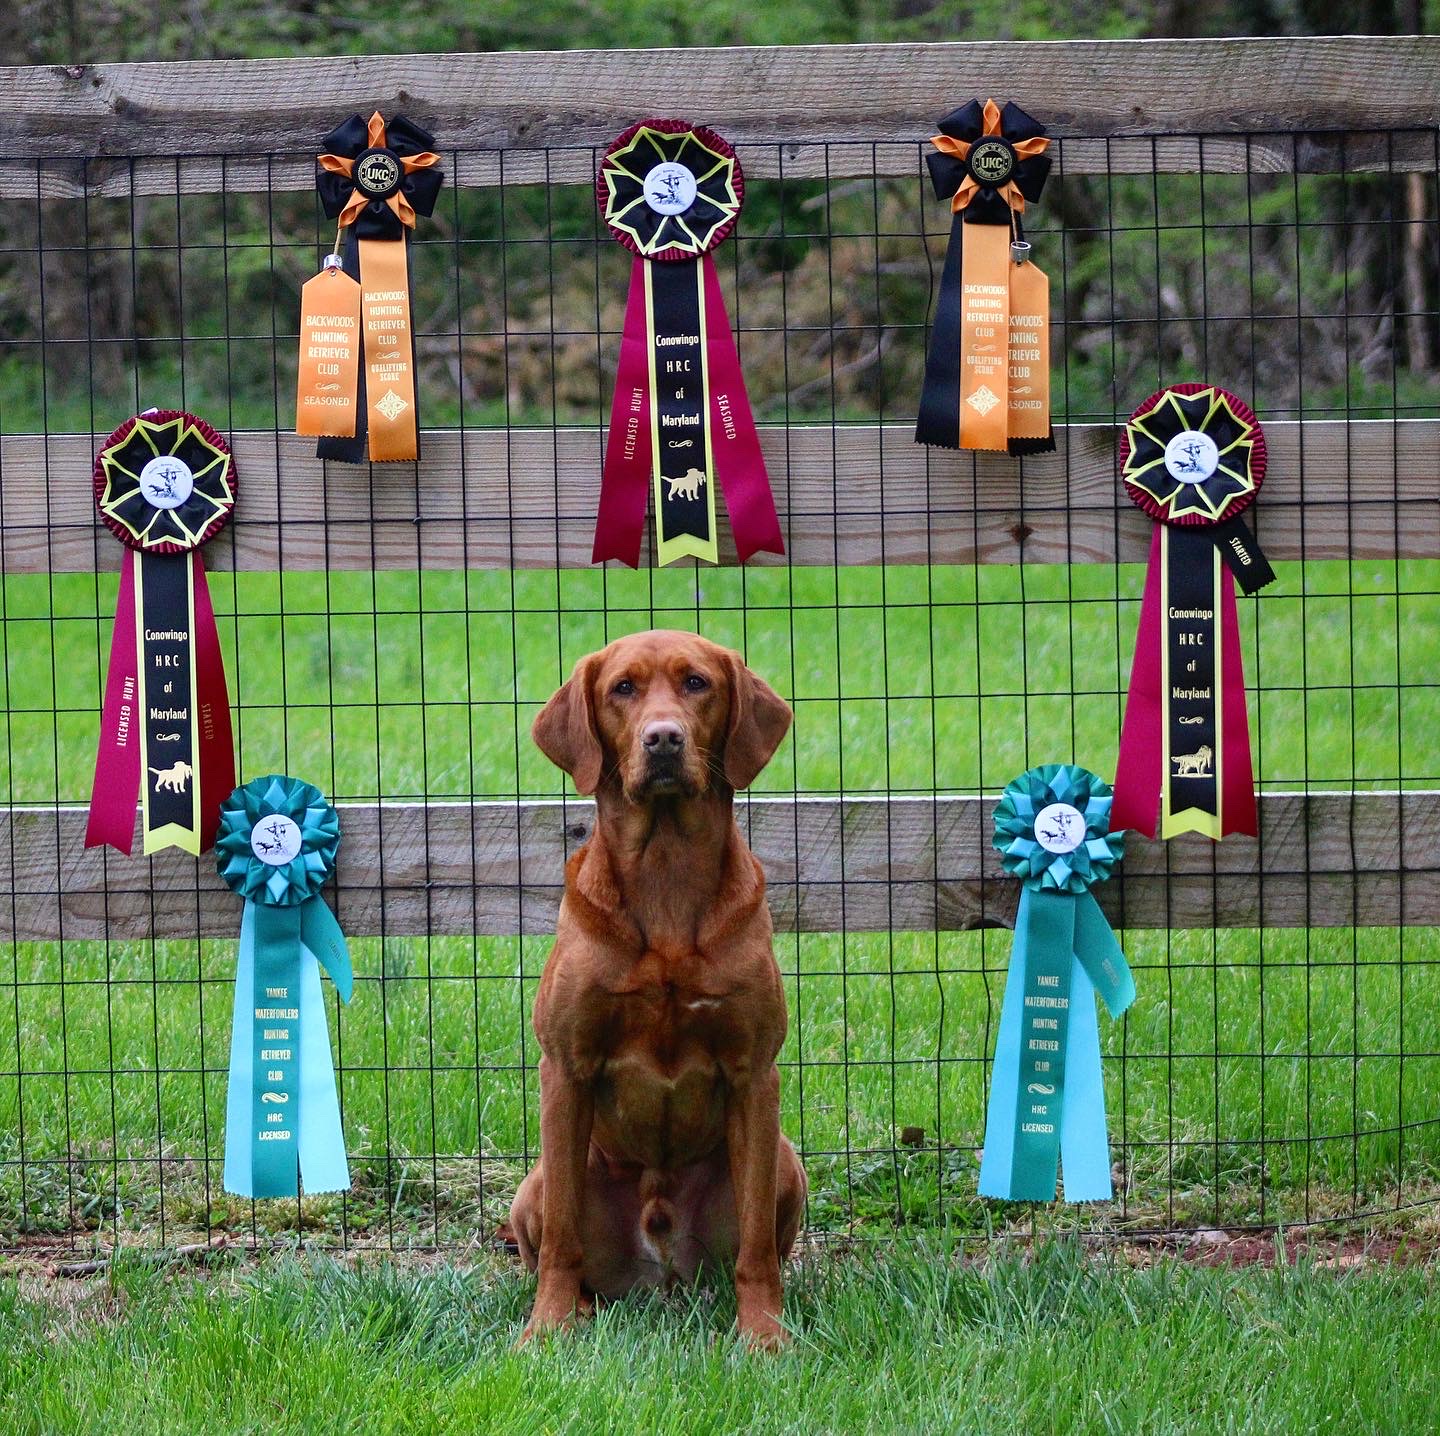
[[374, 179], [1193, 457], [1047, 1101], [987, 376], [277, 846], [164, 486], [670, 192]]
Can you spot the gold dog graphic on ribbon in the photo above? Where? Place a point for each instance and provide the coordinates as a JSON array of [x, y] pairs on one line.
[[175, 778], [1194, 765], [687, 485]]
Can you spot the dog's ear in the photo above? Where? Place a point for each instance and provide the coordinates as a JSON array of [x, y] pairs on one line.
[[564, 729], [759, 719]]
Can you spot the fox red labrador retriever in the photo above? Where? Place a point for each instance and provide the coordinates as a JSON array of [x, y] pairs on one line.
[[660, 1011]]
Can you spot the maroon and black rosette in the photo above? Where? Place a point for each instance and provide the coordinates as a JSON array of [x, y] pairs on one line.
[[164, 485], [987, 372], [670, 191], [1192, 456]]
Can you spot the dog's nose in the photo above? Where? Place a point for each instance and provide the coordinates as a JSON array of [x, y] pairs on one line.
[[662, 738]]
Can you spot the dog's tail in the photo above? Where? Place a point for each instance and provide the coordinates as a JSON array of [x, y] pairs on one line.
[[658, 1216]]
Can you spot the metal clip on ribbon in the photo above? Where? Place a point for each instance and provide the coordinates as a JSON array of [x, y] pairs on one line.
[[278, 842], [670, 192], [1047, 1100], [164, 485], [1193, 457]]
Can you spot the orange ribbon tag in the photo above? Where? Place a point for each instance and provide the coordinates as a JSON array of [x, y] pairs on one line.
[[389, 370], [1028, 373], [329, 371], [984, 341]]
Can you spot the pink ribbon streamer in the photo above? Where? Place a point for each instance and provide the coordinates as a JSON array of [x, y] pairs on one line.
[[1139, 771], [214, 740], [116, 789], [1237, 794], [739, 464], [625, 478]]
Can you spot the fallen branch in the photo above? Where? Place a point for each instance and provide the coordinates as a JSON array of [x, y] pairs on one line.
[[163, 1257]]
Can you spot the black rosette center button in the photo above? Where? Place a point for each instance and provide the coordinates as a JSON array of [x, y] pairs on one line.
[[377, 173], [991, 161]]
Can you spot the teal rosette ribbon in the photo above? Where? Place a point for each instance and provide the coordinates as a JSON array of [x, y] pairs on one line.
[[277, 847], [1047, 1100]]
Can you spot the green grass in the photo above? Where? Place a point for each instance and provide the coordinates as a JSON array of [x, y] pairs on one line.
[[401, 685], [909, 1339]]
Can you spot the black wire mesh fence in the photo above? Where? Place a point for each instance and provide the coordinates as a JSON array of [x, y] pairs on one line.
[[941, 623]]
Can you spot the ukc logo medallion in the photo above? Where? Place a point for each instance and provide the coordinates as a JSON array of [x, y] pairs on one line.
[[377, 173], [992, 161]]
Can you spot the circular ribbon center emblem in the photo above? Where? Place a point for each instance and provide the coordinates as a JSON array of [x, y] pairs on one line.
[[166, 482], [1060, 828], [670, 188], [377, 173], [1191, 457], [275, 840], [992, 161]]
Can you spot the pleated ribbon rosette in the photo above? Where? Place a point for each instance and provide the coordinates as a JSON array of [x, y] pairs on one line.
[[278, 843], [1047, 1100]]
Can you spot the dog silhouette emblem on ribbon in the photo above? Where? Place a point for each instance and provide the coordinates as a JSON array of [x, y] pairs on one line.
[[175, 778], [1194, 765], [687, 485]]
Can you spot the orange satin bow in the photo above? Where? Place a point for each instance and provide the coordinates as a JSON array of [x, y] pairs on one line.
[[960, 149], [403, 210]]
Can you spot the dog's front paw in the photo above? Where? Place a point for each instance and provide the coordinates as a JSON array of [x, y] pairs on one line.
[[552, 1315], [761, 1331]]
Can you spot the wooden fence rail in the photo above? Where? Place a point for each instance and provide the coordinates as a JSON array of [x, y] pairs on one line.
[[807, 111], [861, 494], [833, 864]]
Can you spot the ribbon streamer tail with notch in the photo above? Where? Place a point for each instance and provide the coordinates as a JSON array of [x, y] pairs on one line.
[[1047, 1100], [116, 789], [282, 1109], [739, 463], [625, 477], [214, 738]]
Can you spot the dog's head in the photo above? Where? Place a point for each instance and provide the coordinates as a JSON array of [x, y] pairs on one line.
[[663, 714]]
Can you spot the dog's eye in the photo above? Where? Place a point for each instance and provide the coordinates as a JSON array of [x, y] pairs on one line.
[[623, 689], [696, 684]]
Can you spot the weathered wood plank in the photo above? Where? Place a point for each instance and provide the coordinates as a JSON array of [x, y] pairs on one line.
[[548, 111], [855, 495], [855, 864], [1214, 154]]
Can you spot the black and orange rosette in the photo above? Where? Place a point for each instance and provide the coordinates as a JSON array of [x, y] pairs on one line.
[[671, 191], [987, 375], [164, 485], [1192, 456], [374, 179]]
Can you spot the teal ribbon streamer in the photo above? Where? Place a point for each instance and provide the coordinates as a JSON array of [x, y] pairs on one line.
[[1047, 1100], [282, 1112]]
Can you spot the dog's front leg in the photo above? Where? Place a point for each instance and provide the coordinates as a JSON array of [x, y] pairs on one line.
[[566, 1109], [752, 1130]]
